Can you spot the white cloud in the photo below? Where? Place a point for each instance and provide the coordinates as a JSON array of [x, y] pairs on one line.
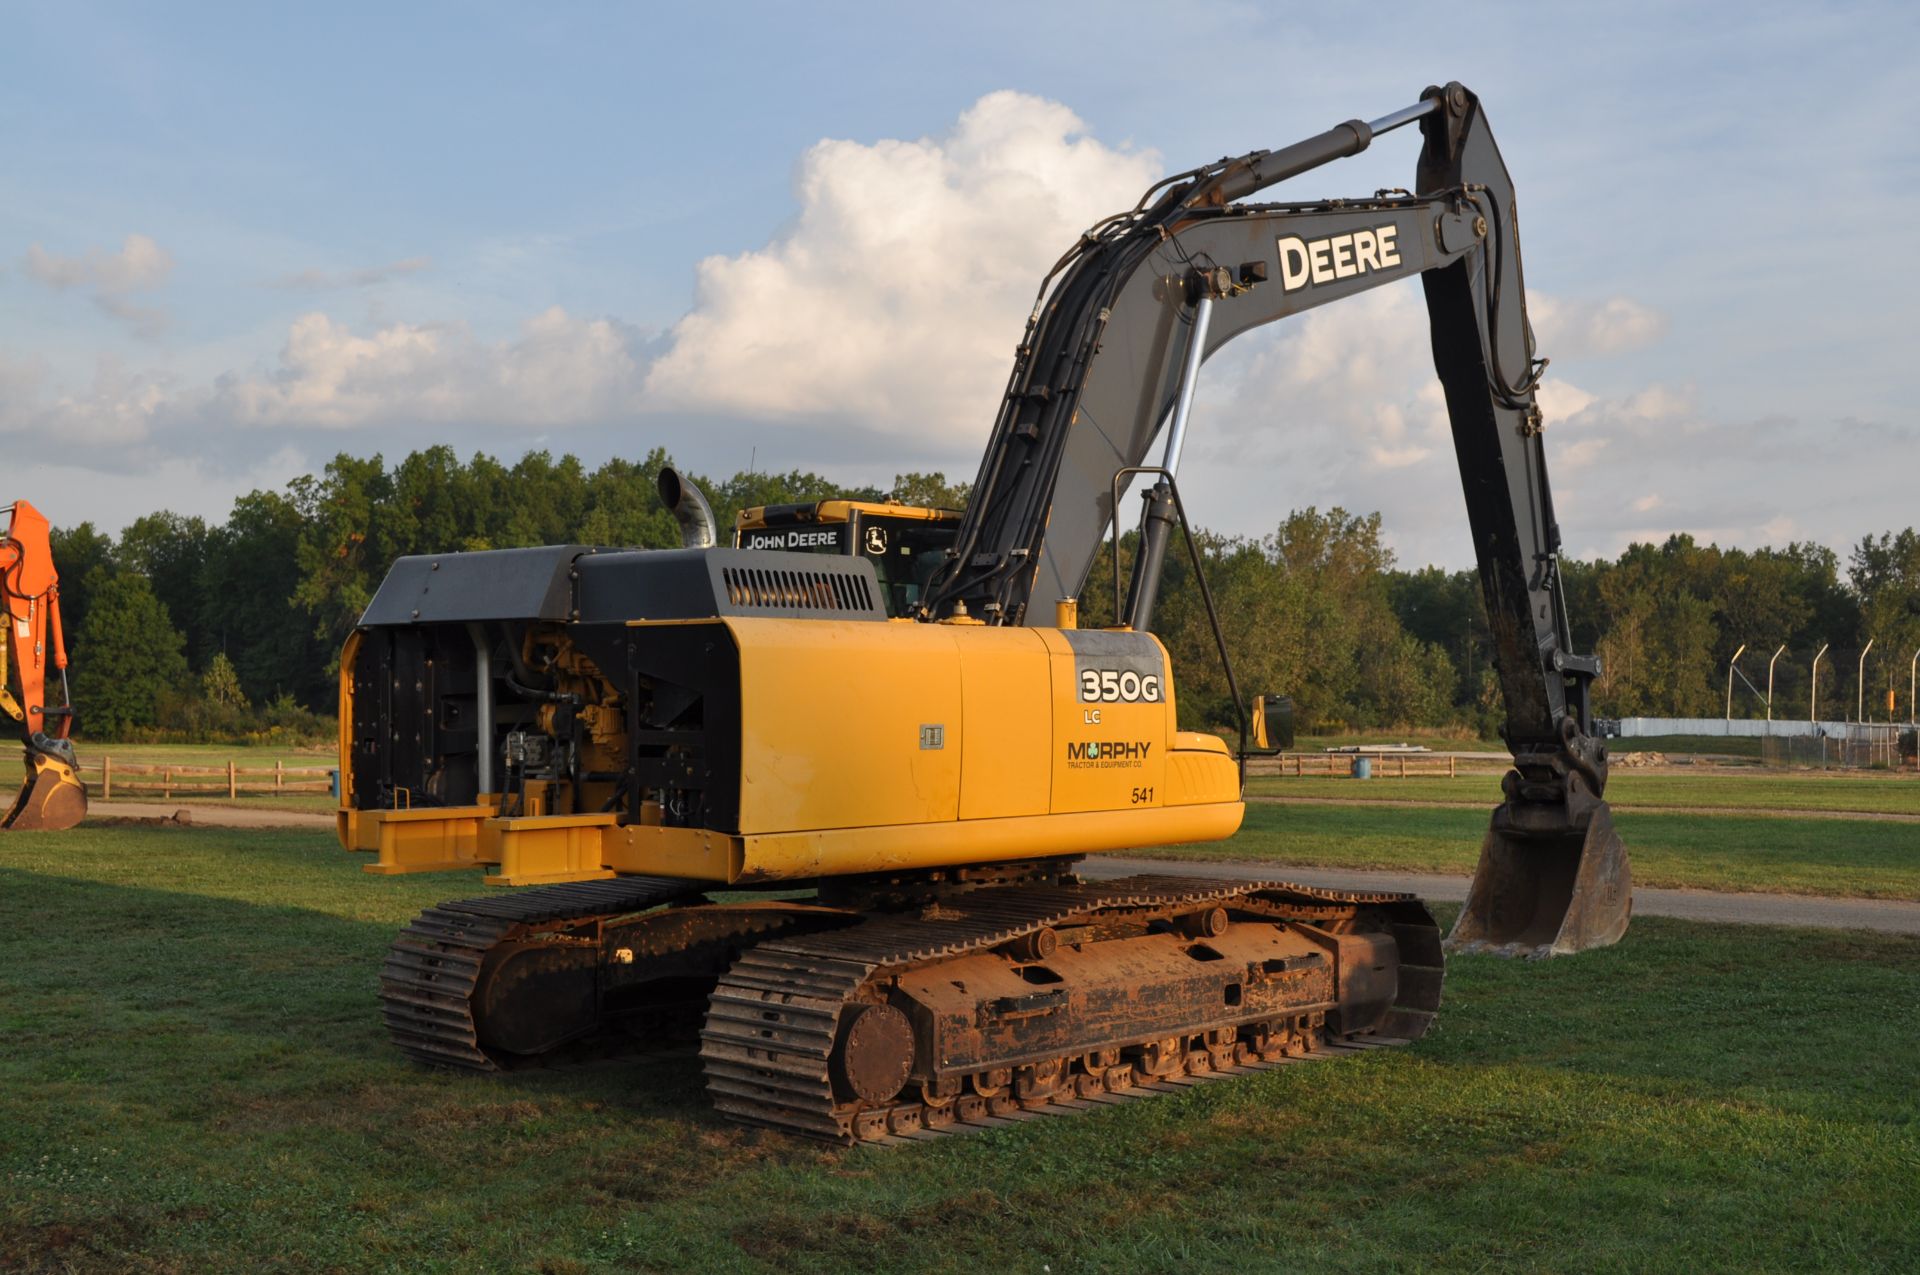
[[898, 296], [118, 406], [1558, 400], [1566, 327], [318, 280], [141, 265], [559, 370]]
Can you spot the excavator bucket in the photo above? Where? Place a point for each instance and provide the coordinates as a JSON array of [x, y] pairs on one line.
[[53, 797], [1541, 894]]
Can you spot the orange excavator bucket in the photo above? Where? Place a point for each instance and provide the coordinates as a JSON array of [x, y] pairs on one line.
[[53, 797], [1546, 892]]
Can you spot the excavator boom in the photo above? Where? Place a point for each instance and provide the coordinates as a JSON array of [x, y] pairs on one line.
[[1107, 367], [32, 646]]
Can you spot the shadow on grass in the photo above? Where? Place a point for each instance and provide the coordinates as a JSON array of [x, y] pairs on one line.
[[145, 988]]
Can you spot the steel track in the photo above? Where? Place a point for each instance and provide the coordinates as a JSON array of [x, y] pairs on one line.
[[773, 1019], [434, 966]]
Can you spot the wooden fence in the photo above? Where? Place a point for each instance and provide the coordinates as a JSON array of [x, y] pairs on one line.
[[232, 780], [1384, 765]]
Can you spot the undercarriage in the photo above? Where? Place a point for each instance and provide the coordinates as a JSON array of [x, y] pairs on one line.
[[879, 1011]]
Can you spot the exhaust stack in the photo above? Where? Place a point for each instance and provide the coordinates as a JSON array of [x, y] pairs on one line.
[[689, 508]]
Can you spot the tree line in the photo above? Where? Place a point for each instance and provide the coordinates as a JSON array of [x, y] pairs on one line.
[[181, 628]]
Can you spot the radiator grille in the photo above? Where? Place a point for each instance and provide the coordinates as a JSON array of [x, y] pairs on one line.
[[782, 590]]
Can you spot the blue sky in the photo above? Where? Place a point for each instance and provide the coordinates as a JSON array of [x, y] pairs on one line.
[[237, 239]]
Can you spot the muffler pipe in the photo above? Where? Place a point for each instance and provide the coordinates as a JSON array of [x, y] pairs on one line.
[[689, 508]]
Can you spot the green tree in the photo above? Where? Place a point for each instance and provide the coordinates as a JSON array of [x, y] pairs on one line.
[[220, 684], [135, 657], [170, 551], [76, 552], [624, 509], [1885, 573], [247, 609], [930, 491]]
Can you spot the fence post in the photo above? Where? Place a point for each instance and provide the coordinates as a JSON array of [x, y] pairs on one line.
[[1403, 766], [106, 779], [233, 788], [1451, 759], [279, 774], [166, 783]]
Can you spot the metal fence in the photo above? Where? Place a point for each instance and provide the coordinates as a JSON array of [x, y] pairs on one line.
[[1854, 746]]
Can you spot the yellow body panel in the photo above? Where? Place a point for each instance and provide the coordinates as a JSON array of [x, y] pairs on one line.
[[797, 855], [540, 850], [1200, 769], [832, 722], [1111, 755], [884, 747], [348, 653], [1006, 724], [424, 840]]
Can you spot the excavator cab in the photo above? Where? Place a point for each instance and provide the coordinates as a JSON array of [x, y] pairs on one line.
[[905, 543], [31, 644]]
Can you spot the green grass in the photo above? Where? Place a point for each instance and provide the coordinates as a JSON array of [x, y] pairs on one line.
[[1764, 790], [194, 1079], [1777, 854]]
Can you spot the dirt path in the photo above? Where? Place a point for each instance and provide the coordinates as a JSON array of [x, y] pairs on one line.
[[1771, 812], [1890, 915], [210, 816]]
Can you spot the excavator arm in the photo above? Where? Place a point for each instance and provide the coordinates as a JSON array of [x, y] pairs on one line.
[[31, 647], [1107, 367]]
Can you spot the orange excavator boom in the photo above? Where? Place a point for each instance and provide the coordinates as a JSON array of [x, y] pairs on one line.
[[32, 645]]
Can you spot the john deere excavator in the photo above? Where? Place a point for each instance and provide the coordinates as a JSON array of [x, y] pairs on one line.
[[31, 646], [895, 804]]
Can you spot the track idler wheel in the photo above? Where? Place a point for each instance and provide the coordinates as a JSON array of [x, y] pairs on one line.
[[52, 799], [1547, 893], [874, 1054]]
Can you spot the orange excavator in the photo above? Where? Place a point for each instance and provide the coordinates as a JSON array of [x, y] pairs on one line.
[[30, 640]]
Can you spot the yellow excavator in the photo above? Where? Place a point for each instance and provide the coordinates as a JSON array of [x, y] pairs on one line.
[[33, 647], [890, 763]]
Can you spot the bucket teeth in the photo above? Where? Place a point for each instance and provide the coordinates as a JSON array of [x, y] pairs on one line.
[[1539, 894]]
